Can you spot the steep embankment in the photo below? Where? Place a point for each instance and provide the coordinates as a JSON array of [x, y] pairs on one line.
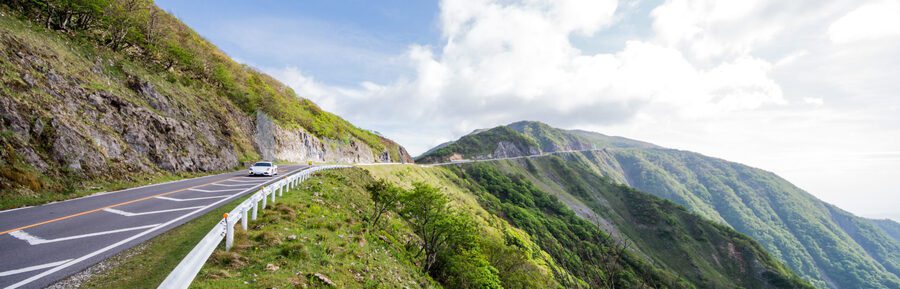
[[651, 242], [823, 244], [120, 91]]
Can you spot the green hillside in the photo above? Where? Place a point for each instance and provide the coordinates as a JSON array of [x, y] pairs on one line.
[[823, 244], [103, 94], [686, 251]]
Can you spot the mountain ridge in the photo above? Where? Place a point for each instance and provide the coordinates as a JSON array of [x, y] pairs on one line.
[[814, 238]]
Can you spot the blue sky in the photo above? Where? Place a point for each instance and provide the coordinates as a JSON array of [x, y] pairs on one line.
[[340, 42], [806, 89]]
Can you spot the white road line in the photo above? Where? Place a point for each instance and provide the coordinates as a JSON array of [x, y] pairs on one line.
[[35, 240], [110, 247], [189, 199], [241, 181], [215, 191], [120, 243], [130, 214], [227, 185], [33, 268]]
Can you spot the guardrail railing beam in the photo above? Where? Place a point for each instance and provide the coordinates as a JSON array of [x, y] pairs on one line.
[[188, 268]]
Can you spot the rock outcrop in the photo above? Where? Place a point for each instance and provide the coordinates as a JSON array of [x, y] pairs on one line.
[[66, 116], [298, 145]]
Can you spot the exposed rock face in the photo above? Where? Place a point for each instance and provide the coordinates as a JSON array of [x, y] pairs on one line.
[[65, 115], [510, 150], [298, 145]]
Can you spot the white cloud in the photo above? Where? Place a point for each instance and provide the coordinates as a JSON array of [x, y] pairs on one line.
[[743, 80], [508, 60], [876, 20]]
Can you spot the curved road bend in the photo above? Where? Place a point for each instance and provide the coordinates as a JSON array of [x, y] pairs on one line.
[[42, 244]]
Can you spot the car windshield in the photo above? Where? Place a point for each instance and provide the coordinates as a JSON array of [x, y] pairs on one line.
[[262, 164]]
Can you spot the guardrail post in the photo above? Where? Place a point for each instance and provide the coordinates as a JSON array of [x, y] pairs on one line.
[[255, 205], [264, 197], [244, 218], [229, 233], [273, 196]]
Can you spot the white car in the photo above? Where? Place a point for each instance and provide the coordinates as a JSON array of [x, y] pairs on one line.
[[264, 169]]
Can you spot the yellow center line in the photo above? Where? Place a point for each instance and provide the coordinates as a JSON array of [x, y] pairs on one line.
[[106, 207]]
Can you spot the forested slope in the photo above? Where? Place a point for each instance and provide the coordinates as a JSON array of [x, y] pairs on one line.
[[822, 243], [686, 251]]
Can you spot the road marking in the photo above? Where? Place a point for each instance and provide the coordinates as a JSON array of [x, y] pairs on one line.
[[130, 214], [99, 209], [33, 268], [110, 247], [233, 185], [216, 191], [189, 199], [240, 181], [35, 240], [122, 242]]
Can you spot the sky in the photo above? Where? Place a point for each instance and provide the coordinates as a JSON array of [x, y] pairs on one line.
[[806, 89]]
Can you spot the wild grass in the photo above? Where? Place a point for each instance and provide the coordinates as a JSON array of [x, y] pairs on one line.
[[320, 228]]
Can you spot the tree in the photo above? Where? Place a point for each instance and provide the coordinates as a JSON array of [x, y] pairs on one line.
[[385, 195], [442, 230]]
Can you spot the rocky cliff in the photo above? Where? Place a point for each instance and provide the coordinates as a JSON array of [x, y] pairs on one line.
[[73, 113], [298, 145]]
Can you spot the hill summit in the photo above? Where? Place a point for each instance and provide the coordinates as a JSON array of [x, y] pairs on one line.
[[524, 138], [828, 246]]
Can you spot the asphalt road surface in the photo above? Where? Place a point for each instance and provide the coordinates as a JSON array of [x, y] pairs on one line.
[[43, 244]]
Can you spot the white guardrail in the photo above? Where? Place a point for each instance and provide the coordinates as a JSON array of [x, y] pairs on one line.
[[185, 272]]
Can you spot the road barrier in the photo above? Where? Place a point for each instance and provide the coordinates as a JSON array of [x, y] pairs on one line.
[[185, 272]]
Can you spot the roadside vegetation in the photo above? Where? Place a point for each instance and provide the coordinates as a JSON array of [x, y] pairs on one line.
[[68, 69], [149, 36], [24, 185], [349, 229], [317, 235], [146, 265]]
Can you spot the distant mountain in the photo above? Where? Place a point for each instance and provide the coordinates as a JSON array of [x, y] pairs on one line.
[[822, 243], [890, 227], [522, 139]]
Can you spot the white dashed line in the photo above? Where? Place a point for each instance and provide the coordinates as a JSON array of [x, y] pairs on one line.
[[215, 191], [242, 181], [35, 240], [62, 265], [234, 185], [130, 214], [33, 268], [189, 199]]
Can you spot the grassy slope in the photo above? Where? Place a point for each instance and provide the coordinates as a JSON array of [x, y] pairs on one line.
[[468, 191], [28, 186], [708, 254], [200, 81], [325, 218], [536, 264]]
